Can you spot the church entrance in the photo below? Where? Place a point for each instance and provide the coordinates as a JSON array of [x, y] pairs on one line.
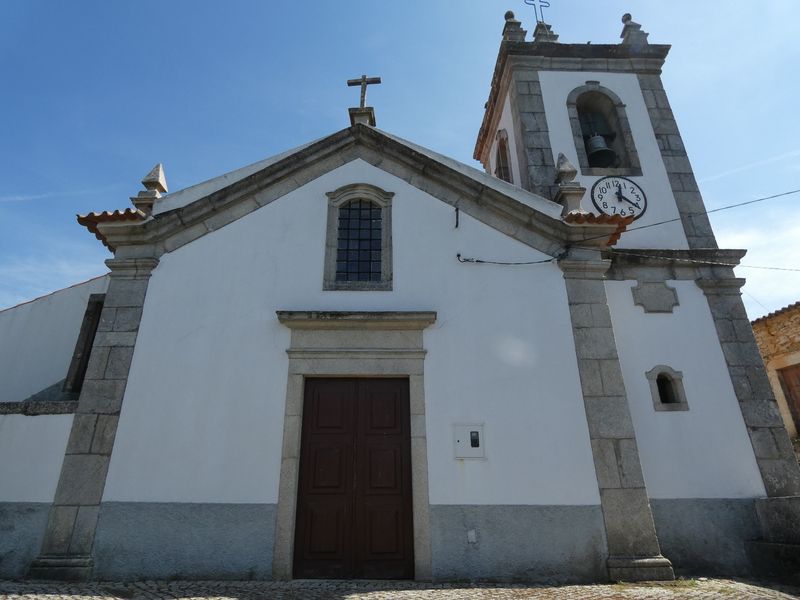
[[354, 511]]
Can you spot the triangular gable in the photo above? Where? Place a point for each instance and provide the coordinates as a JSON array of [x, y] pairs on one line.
[[521, 215]]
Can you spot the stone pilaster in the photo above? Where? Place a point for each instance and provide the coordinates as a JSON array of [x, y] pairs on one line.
[[69, 536], [537, 156], [634, 551], [771, 444], [681, 176]]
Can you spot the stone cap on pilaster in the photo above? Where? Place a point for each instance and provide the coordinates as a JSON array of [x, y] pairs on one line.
[[155, 184], [632, 34], [513, 31], [544, 33]]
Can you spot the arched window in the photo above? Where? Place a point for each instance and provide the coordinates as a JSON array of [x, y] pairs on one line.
[[502, 169], [603, 139], [666, 387], [358, 249]]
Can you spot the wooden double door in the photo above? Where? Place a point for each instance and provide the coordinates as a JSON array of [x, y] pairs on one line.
[[354, 510]]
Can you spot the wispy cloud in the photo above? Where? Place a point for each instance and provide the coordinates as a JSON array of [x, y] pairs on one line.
[[56, 263], [45, 195], [773, 244], [760, 163]]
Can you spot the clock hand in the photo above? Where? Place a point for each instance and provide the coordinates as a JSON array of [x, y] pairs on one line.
[[621, 197]]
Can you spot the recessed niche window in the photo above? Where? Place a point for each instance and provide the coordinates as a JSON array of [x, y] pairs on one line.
[[502, 169], [666, 387], [603, 139], [83, 346], [358, 250]]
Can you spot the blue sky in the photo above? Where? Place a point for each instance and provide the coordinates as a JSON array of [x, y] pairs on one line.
[[96, 92]]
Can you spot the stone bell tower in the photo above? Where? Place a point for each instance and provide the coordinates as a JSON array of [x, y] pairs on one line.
[[604, 107]]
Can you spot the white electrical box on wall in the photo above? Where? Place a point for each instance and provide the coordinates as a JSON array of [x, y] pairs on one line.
[[469, 441]]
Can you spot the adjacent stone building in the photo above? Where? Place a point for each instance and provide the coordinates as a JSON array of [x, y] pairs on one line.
[[778, 338], [363, 359]]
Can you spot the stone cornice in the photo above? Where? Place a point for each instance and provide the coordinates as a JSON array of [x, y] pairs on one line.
[[390, 320], [169, 231], [584, 269], [39, 407], [731, 286]]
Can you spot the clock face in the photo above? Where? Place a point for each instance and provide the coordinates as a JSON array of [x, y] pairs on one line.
[[619, 196]]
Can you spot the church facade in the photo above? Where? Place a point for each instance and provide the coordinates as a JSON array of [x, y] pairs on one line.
[[363, 359]]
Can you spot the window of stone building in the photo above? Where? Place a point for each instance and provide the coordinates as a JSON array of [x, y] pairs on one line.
[[502, 169], [358, 250], [666, 388], [789, 378], [602, 134]]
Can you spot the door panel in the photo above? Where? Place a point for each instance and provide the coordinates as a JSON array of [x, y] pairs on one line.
[[354, 512], [790, 380]]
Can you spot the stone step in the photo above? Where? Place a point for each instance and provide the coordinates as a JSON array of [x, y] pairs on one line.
[[61, 568], [775, 561]]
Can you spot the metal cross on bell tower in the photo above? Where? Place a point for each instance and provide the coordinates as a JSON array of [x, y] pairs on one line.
[[538, 8], [363, 114]]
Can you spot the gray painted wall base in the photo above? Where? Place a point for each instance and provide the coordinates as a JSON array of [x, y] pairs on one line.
[[519, 543], [706, 536], [22, 528], [138, 540], [774, 561]]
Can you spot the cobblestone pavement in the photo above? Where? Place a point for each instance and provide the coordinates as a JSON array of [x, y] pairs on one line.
[[700, 589]]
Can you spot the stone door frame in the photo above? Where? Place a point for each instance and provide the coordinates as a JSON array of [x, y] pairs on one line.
[[353, 344]]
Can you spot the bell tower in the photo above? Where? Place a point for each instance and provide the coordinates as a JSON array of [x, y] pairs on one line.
[[602, 106]]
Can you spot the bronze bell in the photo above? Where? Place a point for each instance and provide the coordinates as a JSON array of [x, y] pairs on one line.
[[599, 154]]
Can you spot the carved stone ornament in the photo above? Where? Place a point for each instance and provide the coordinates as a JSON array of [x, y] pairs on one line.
[[655, 297]]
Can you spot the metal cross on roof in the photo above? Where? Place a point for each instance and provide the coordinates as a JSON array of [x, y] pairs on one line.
[[364, 81], [538, 8]]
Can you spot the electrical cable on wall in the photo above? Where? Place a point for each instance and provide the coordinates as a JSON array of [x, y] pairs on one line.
[[688, 260]]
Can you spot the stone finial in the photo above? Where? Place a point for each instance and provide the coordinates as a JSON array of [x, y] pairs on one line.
[[565, 170], [632, 34], [570, 192], [513, 31], [544, 33], [155, 180], [155, 183]]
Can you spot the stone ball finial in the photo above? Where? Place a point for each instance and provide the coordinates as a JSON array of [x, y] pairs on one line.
[[509, 15], [627, 18]]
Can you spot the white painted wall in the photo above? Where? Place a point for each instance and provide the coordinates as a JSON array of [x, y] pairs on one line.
[[37, 339], [203, 411], [506, 122], [33, 450], [704, 452], [556, 87]]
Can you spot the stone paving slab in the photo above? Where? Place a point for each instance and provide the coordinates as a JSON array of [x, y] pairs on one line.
[[699, 589]]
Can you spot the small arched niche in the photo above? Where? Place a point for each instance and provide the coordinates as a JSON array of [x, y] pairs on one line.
[[666, 387], [502, 158], [598, 119]]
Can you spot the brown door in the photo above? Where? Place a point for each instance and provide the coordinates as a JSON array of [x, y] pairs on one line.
[[790, 381], [354, 496]]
